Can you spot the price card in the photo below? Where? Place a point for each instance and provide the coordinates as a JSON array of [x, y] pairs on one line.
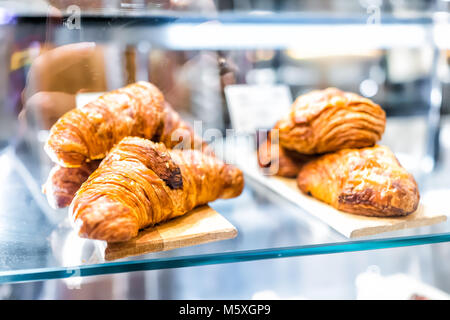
[[255, 107]]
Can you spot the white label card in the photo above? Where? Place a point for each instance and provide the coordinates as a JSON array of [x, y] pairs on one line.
[[255, 107]]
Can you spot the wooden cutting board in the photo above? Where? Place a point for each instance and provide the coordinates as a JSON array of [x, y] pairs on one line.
[[199, 226], [349, 225]]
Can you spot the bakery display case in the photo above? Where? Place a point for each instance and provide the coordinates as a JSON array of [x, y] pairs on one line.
[[225, 72]]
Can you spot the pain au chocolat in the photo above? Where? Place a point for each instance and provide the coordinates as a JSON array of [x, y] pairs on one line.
[[328, 120], [368, 181]]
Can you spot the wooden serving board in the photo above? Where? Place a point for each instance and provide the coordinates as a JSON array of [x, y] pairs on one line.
[[199, 226], [349, 225]]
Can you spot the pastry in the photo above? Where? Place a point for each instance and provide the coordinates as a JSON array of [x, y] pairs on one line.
[[62, 183], [74, 131], [284, 163], [329, 120], [141, 183], [368, 181], [176, 133], [88, 133]]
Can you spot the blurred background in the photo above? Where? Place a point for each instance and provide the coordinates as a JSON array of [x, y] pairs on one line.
[[395, 52]]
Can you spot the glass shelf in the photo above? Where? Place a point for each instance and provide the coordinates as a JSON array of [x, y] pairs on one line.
[[217, 31], [37, 243]]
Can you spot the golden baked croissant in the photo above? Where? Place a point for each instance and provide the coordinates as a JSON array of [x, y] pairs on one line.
[[88, 133], [62, 182], [66, 177], [368, 181], [141, 183], [329, 120], [177, 133]]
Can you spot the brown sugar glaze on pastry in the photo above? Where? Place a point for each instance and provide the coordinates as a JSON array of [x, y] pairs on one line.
[[131, 189], [368, 181], [328, 120]]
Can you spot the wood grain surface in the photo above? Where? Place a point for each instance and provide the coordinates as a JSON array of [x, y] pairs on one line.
[[352, 225], [347, 224], [199, 226]]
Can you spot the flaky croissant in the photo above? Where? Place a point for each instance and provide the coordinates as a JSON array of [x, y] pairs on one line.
[[141, 183], [88, 133], [62, 182], [368, 181], [68, 135], [329, 120]]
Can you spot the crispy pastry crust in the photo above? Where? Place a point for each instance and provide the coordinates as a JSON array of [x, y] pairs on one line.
[[329, 120], [89, 132], [128, 192], [75, 138], [62, 182], [368, 181]]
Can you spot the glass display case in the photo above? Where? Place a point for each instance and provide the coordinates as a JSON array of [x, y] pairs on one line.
[[57, 55]]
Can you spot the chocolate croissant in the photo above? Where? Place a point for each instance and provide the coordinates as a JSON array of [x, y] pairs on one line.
[[141, 183], [328, 120], [88, 133], [368, 181]]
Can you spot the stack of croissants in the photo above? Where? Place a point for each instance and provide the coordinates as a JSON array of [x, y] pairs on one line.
[[127, 161], [328, 142]]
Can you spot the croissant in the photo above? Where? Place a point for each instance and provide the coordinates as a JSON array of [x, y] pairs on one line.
[[66, 177], [141, 183], [329, 120], [62, 183], [88, 133], [368, 181], [176, 133]]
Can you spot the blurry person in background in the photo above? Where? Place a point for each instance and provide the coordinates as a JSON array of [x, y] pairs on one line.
[[58, 74]]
